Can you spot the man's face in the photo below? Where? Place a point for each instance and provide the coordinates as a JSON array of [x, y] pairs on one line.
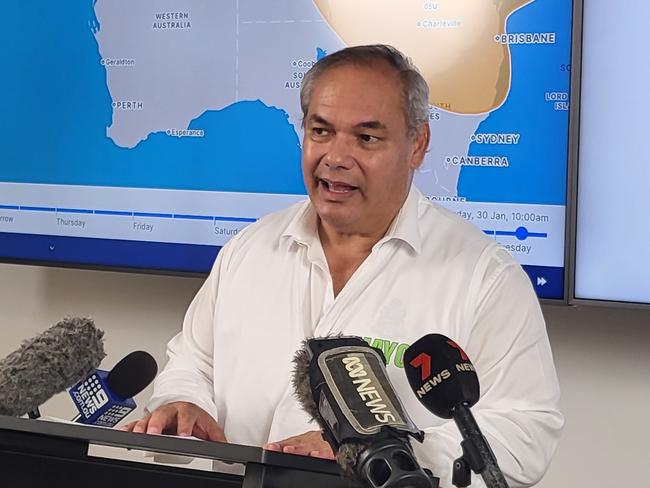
[[357, 157]]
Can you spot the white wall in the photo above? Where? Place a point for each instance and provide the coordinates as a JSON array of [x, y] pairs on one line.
[[603, 361], [602, 356]]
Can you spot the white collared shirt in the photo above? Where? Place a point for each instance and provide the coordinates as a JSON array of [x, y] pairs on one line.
[[270, 288]]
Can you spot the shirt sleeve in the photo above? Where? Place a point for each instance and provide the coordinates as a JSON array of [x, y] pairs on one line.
[[188, 374], [518, 411]]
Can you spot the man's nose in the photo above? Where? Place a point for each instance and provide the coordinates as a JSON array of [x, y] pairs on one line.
[[340, 153]]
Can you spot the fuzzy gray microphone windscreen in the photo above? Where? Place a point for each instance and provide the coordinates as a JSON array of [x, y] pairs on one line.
[[49, 363], [302, 386], [347, 454]]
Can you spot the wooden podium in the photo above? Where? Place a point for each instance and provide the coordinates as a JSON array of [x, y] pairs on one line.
[[36, 453]]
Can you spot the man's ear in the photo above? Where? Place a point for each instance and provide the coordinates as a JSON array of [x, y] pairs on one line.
[[421, 141]]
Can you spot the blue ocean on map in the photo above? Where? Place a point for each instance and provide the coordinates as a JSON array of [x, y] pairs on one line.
[[56, 94], [58, 88], [538, 164]]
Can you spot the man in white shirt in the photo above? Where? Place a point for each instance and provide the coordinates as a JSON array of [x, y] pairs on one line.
[[366, 255]]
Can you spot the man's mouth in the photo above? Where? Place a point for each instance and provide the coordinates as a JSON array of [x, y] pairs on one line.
[[337, 186]]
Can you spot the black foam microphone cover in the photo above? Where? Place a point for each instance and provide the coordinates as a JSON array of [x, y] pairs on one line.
[[132, 374], [441, 375]]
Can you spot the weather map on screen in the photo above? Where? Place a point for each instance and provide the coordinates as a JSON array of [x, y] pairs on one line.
[[146, 134]]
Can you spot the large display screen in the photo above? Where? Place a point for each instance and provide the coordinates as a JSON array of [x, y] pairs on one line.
[[613, 231], [146, 134]]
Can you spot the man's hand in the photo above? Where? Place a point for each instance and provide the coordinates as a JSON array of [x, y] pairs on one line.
[[179, 418], [307, 444]]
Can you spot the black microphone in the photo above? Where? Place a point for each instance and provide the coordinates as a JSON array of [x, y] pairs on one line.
[[444, 379], [105, 398], [341, 382], [48, 364]]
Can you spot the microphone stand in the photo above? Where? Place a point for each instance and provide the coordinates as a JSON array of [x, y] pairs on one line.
[[477, 454]]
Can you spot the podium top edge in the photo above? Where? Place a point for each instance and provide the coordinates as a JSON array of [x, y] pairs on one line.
[[220, 451]]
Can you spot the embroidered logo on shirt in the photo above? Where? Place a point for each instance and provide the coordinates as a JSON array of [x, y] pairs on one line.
[[391, 317], [394, 351]]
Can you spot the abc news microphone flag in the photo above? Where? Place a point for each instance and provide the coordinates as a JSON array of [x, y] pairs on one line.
[[341, 382]]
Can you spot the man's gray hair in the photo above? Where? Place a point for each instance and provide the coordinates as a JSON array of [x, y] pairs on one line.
[[415, 91]]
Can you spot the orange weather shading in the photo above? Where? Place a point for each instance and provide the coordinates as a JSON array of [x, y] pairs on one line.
[[452, 42]]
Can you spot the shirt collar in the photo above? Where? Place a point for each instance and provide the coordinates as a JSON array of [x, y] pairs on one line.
[[303, 229], [405, 226]]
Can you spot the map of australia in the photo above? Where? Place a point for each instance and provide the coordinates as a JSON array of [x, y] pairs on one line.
[[168, 63]]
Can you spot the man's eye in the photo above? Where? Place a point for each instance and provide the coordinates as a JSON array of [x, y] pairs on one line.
[[319, 131], [367, 138]]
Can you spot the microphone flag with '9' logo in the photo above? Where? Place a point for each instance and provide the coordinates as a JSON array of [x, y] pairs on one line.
[[104, 398]]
